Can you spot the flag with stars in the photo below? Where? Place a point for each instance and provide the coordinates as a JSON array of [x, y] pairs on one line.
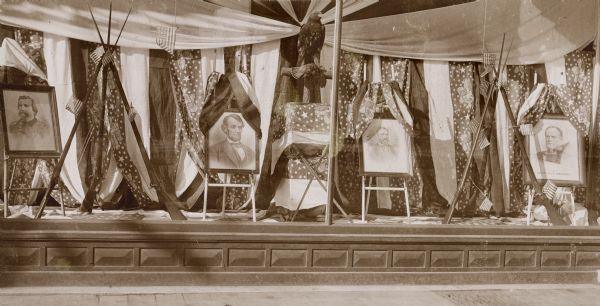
[[485, 204], [549, 189], [189, 96]]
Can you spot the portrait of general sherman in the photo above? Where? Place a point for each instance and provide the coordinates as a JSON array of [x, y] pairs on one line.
[[232, 144], [30, 121], [556, 151], [386, 148]]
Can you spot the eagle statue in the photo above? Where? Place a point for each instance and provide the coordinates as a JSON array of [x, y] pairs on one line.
[[310, 41]]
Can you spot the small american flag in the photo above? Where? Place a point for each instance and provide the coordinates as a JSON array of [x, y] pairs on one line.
[[165, 38], [96, 55], [483, 142], [549, 189], [486, 204], [74, 106], [473, 125], [108, 58], [526, 129]]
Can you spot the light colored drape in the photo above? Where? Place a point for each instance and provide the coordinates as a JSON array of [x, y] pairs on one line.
[[57, 53], [264, 72], [503, 141], [437, 82], [540, 31], [200, 24], [13, 55]]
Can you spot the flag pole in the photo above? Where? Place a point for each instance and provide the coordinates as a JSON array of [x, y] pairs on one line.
[[333, 122]]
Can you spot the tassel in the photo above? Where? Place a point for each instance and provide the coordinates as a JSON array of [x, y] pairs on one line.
[[165, 38]]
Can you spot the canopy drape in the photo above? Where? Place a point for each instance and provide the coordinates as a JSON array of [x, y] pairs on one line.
[[200, 24], [540, 31]]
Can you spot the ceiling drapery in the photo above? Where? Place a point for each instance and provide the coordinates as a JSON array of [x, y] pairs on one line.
[[200, 25], [540, 30]]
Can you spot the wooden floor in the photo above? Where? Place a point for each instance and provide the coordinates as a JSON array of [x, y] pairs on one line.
[[310, 295]]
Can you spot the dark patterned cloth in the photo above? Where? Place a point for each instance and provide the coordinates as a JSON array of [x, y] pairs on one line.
[[186, 72], [313, 118], [517, 90], [463, 100]]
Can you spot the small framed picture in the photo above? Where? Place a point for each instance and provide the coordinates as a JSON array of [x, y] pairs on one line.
[[30, 121], [386, 149], [556, 152], [232, 145]]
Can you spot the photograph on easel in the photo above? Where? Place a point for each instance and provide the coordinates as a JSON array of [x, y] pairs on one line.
[[386, 149], [556, 151], [30, 121], [232, 145]]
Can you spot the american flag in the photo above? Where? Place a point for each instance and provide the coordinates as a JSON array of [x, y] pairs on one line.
[[165, 38], [474, 125], [486, 204], [96, 55], [74, 106], [526, 129], [483, 142], [549, 189]]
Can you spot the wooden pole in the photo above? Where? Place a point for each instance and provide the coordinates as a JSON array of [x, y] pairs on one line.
[[333, 122], [589, 196]]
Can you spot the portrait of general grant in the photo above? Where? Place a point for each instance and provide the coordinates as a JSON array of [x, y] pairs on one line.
[[386, 148], [556, 151], [232, 145], [30, 121]]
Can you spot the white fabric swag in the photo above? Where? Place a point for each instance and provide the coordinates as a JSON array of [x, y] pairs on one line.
[[540, 31], [13, 55], [200, 25]]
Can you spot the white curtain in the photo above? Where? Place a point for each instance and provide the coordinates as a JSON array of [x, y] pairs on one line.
[[441, 121], [503, 142], [200, 24], [540, 31], [264, 72], [57, 53], [13, 55]]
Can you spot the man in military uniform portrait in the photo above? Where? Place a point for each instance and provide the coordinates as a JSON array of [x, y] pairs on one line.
[[554, 146], [29, 131]]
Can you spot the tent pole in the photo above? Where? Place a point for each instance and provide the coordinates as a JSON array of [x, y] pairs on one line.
[[333, 122]]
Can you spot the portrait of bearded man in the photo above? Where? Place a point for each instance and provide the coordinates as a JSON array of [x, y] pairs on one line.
[[29, 131]]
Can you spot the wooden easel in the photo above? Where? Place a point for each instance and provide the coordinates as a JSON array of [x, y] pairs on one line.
[[8, 183], [227, 183], [366, 188]]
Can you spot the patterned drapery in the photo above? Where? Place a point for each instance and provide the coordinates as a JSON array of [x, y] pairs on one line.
[[517, 90], [463, 100]]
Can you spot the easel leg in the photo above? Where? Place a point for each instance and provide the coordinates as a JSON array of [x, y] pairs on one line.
[[6, 187], [301, 199], [205, 197], [406, 199], [369, 195], [362, 204], [529, 204], [61, 186], [226, 181], [253, 198]]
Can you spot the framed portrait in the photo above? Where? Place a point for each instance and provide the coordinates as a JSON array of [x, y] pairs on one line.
[[386, 149], [556, 152], [30, 121], [232, 145]]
